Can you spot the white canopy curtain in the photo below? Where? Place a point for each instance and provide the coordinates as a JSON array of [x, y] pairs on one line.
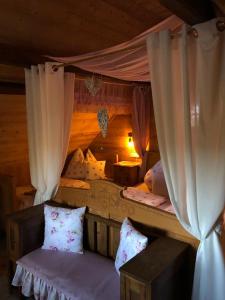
[[49, 98], [188, 84], [126, 61]]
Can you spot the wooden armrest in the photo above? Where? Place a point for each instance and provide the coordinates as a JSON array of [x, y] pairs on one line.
[[25, 231], [158, 272]]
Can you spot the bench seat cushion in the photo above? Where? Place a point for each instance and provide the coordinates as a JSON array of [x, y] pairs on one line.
[[50, 274]]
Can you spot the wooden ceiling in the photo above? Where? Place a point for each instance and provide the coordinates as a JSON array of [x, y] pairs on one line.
[[30, 29]]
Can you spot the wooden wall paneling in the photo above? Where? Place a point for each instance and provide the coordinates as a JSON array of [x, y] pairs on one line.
[[14, 158], [14, 74], [114, 143], [84, 129]]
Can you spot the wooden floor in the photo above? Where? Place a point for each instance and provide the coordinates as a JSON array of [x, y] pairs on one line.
[[4, 289]]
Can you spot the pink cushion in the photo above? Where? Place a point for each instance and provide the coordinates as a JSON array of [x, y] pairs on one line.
[[81, 277]]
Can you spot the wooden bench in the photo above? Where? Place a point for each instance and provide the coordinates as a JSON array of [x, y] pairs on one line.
[[162, 271]]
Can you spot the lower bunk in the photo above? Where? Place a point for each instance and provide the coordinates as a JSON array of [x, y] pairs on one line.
[[162, 271]]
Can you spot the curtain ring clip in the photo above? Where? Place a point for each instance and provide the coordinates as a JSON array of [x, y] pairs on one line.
[[194, 32], [220, 25]]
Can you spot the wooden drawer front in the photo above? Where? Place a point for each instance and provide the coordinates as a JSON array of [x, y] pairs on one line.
[[127, 176]]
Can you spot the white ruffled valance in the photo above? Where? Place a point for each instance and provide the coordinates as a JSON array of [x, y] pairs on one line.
[[34, 286]]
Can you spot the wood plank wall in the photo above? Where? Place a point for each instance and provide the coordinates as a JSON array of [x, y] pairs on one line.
[[84, 132], [84, 129], [13, 138], [114, 143]]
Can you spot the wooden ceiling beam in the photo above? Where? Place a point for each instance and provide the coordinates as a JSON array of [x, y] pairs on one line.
[[191, 11]]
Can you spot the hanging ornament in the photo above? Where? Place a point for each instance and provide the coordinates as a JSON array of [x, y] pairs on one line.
[[93, 84], [103, 119]]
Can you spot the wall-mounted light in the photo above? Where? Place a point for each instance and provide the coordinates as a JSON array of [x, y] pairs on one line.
[[130, 140], [130, 144]]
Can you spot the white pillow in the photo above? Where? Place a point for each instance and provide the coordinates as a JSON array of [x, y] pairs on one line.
[[63, 229], [76, 168], [158, 181], [131, 243], [148, 179], [78, 155], [95, 170], [90, 156]]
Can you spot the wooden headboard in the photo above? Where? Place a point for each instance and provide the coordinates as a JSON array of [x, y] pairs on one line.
[[153, 157]]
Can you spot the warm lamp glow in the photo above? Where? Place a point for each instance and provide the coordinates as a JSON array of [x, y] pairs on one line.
[[130, 145]]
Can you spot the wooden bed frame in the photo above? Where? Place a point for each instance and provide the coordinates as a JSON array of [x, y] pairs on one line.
[[104, 198]]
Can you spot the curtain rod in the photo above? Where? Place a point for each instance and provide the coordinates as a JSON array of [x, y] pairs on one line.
[[220, 24], [125, 83]]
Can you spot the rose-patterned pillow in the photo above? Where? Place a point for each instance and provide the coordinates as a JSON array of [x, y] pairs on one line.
[[63, 229], [95, 170], [90, 156], [131, 243]]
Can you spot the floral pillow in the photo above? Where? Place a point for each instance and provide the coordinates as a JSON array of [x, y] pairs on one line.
[[63, 229], [95, 170], [90, 156], [131, 243]]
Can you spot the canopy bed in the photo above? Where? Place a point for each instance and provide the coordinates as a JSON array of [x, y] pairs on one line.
[[186, 69]]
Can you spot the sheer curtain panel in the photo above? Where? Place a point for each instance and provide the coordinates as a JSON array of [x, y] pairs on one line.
[[188, 85], [49, 99], [141, 123]]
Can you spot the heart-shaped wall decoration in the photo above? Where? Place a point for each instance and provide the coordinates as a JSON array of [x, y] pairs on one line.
[[93, 84]]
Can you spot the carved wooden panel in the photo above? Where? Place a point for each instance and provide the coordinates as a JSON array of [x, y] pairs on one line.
[[104, 199]]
